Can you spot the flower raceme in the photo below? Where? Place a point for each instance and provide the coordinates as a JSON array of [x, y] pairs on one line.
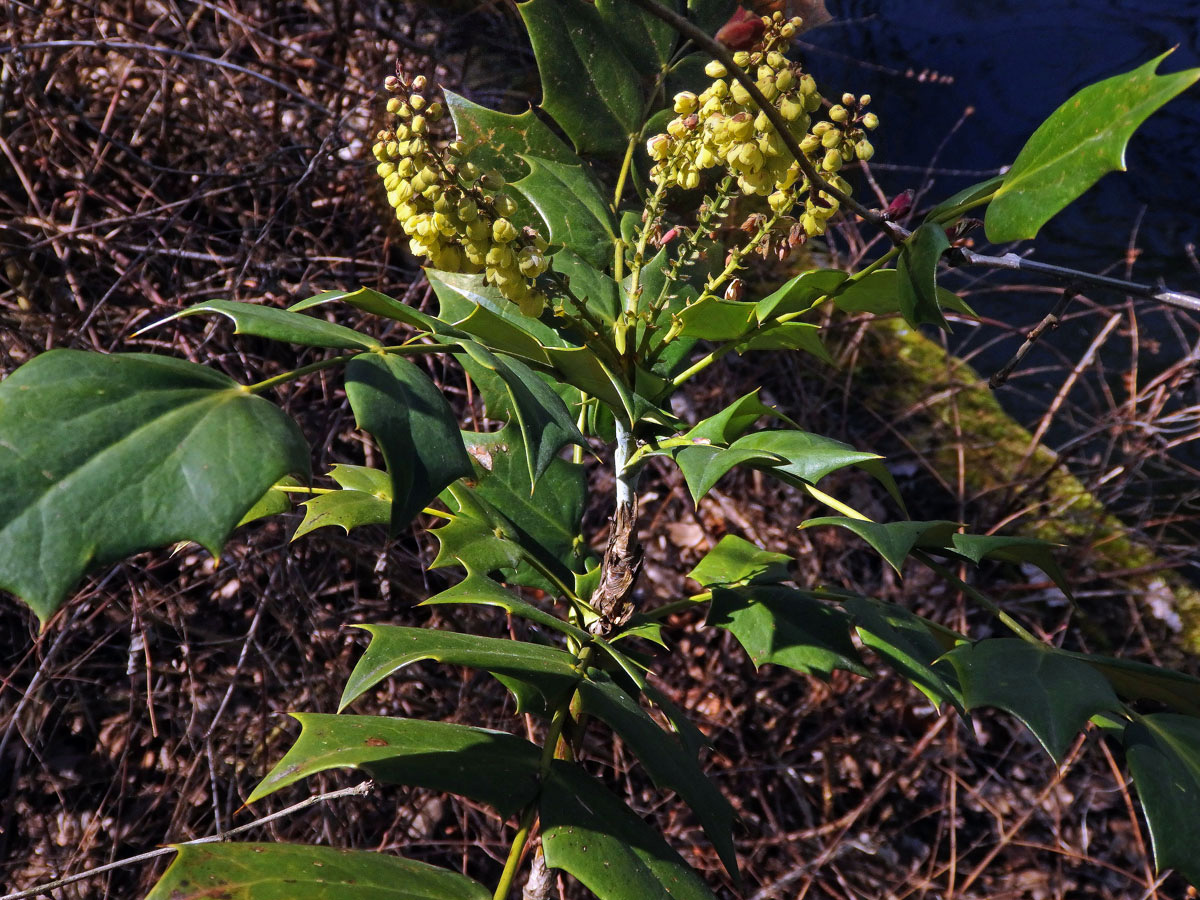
[[722, 128], [454, 215]]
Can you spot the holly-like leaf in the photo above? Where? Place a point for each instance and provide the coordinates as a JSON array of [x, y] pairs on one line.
[[967, 195], [1134, 680], [493, 767], [588, 85], [550, 671], [714, 319], [104, 456], [546, 518], [589, 833], [894, 541], [788, 336], [646, 40], [810, 457], [599, 293], [1082, 140], [569, 201], [799, 293], [737, 561], [703, 466], [347, 509], [285, 325], [908, 644], [500, 142], [272, 503], [710, 15], [879, 293], [788, 627], [1053, 693], [1163, 751], [377, 304], [287, 871], [470, 540], [397, 404], [733, 421], [664, 757], [977, 547], [916, 273], [480, 590]]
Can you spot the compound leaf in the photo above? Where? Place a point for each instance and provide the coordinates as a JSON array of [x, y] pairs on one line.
[[286, 871], [102, 456]]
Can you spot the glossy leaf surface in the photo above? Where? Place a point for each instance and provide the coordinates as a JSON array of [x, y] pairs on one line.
[[569, 201], [397, 404], [799, 293], [1163, 751], [785, 626], [916, 276], [879, 293], [589, 833], [1082, 140], [733, 421], [1053, 693], [664, 757], [393, 647], [480, 590], [289, 871], [282, 325], [588, 85], [492, 767], [894, 541], [102, 456], [735, 560]]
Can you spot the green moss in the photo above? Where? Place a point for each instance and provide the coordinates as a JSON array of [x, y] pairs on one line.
[[911, 376]]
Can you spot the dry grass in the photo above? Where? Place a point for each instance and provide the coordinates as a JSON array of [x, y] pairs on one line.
[[163, 153]]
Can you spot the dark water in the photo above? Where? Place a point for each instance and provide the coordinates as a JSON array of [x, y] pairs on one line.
[[1014, 63]]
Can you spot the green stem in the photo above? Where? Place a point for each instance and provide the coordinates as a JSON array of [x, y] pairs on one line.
[[266, 384], [979, 597]]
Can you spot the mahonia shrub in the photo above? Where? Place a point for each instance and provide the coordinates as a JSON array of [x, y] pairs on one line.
[[579, 309]]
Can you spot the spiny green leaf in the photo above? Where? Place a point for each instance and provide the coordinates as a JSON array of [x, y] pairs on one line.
[[669, 764], [272, 503], [737, 561], [545, 519], [810, 457], [397, 404], [104, 456], [710, 15], [1053, 693], [1139, 681], [393, 647], [499, 141], [916, 273], [1081, 141], [879, 293], [588, 85], [714, 319], [594, 287], [492, 767], [286, 325], [733, 421], [645, 39], [469, 540], [569, 201], [977, 547], [347, 509], [907, 644], [788, 627], [592, 835], [291, 871], [788, 336], [799, 293], [703, 465], [377, 304], [966, 195], [1163, 751], [480, 590], [894, 541]]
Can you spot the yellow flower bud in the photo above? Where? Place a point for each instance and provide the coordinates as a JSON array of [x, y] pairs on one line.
[[503, 231], [870, 121], [715, 69], [394, 104], [831, 138], [416, 101], [741, 59], [685, 102], [832, 161], [839, 113], [784, 80], [658, 146], [863, 150]]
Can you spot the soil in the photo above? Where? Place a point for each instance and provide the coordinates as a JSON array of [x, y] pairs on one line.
[[159, 154]]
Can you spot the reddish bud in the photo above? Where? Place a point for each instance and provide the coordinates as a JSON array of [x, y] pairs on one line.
[[742, 31], [900, 205]]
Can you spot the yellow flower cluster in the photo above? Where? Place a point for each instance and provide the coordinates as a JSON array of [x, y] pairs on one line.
[[722, 128], [455, 215]]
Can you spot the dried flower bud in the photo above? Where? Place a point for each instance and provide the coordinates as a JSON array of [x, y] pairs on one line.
[[736, 289]]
